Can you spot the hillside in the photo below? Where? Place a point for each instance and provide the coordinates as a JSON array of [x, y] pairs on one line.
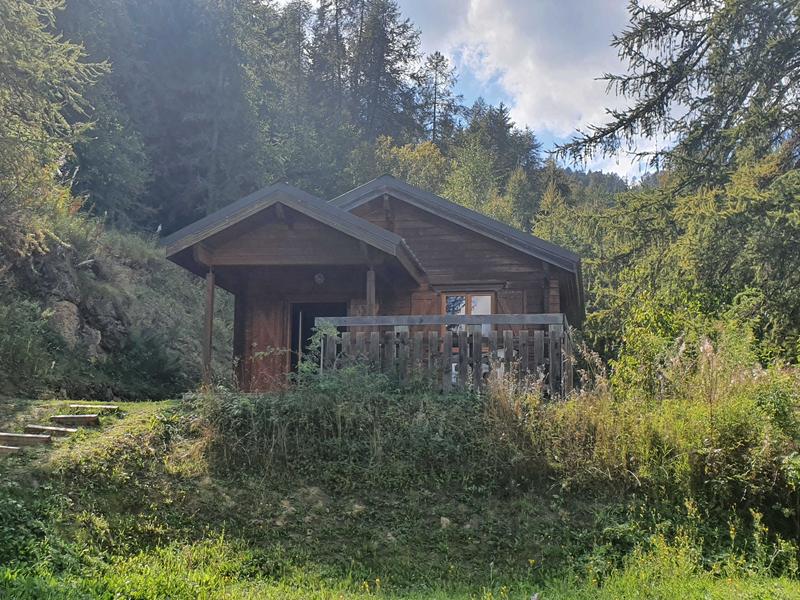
[[102, 314]]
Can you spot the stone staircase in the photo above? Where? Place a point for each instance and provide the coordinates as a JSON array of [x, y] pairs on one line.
[[63, 425]]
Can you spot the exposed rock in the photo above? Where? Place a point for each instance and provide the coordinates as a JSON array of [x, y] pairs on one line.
[[66, 322], [444, 522], [91, 338], [103, 316]]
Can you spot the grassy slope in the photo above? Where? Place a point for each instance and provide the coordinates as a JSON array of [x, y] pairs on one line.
[[134, 510]]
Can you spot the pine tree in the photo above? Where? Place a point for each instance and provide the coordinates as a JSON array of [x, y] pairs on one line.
[[384, 47], [438, 104], [42, 112], [706, 79]]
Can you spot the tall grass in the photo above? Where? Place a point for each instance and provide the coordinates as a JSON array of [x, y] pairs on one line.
[[719, 434]]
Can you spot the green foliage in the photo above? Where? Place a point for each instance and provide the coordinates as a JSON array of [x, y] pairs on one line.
[[41, 79], [26, 343], [729, 64], [362, 426]]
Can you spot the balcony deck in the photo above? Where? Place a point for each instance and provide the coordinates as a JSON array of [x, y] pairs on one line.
[[456, 352]]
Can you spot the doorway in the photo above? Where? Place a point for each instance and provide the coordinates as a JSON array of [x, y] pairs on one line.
[[303, 315]]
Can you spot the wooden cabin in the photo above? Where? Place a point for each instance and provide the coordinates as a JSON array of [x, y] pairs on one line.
[[388, 262]]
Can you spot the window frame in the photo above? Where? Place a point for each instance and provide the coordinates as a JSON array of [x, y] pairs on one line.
[[468, 298]]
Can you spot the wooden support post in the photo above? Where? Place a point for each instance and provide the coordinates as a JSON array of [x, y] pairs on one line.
[[208, 327], [447, 362], [477, 357], [524, 356], [538, 351], [371, 306], [556, 334]]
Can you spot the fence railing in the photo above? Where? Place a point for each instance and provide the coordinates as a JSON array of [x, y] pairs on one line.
[[455, 351]]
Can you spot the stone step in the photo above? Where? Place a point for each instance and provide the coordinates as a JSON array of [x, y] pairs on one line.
[[48, 429], [24, 439], [96, 407], [9, 449], [76, 419]]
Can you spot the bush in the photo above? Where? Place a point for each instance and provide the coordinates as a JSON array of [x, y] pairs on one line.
[[353, 425], [721, 435]]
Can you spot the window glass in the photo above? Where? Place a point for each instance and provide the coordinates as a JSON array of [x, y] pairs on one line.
[[468, 304], [481, 305], [456, 305]]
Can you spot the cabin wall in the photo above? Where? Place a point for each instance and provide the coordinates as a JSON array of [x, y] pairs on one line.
[[456, 257], [263, 311]]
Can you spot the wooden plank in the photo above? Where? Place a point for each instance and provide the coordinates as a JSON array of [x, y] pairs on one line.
[[361, 348], [569, 361], [477, 357], [76, 419], [418, 359], [412, 320], [375, 349], [49, 430], [24, 439], [9, 449], [447, 362], [493, 346], [538, 350], [96, 407], [402, 355], [555, 334], [434, 356], [389, 347], [523, 351], [208, 327], [330, 350], [371, 305], [508, 350], [347, 351], [463, 359]]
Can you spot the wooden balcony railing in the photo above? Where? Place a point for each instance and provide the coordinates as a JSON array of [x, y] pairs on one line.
[[455, 351]]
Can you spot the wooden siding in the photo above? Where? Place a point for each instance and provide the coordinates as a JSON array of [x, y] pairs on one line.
[[287, 239], [453, 255]]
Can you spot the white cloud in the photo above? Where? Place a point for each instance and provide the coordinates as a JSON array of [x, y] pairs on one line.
[[545, 55]]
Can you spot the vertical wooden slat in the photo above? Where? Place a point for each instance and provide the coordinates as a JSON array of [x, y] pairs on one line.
[[433, 354], [538, 350], [555, 332], [388, 351], [418, 360], [375, 349], [569, 359], [493, 345], [477, 357], [508, 349], [330, 350], [371, 305], [347, 351], [447, 362], [523, 351], [463, 359], [402, 355], [208, 328], [361, 350]]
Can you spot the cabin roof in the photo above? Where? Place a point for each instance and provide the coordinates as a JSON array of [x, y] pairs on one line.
[[300, 201], [470, 219]]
